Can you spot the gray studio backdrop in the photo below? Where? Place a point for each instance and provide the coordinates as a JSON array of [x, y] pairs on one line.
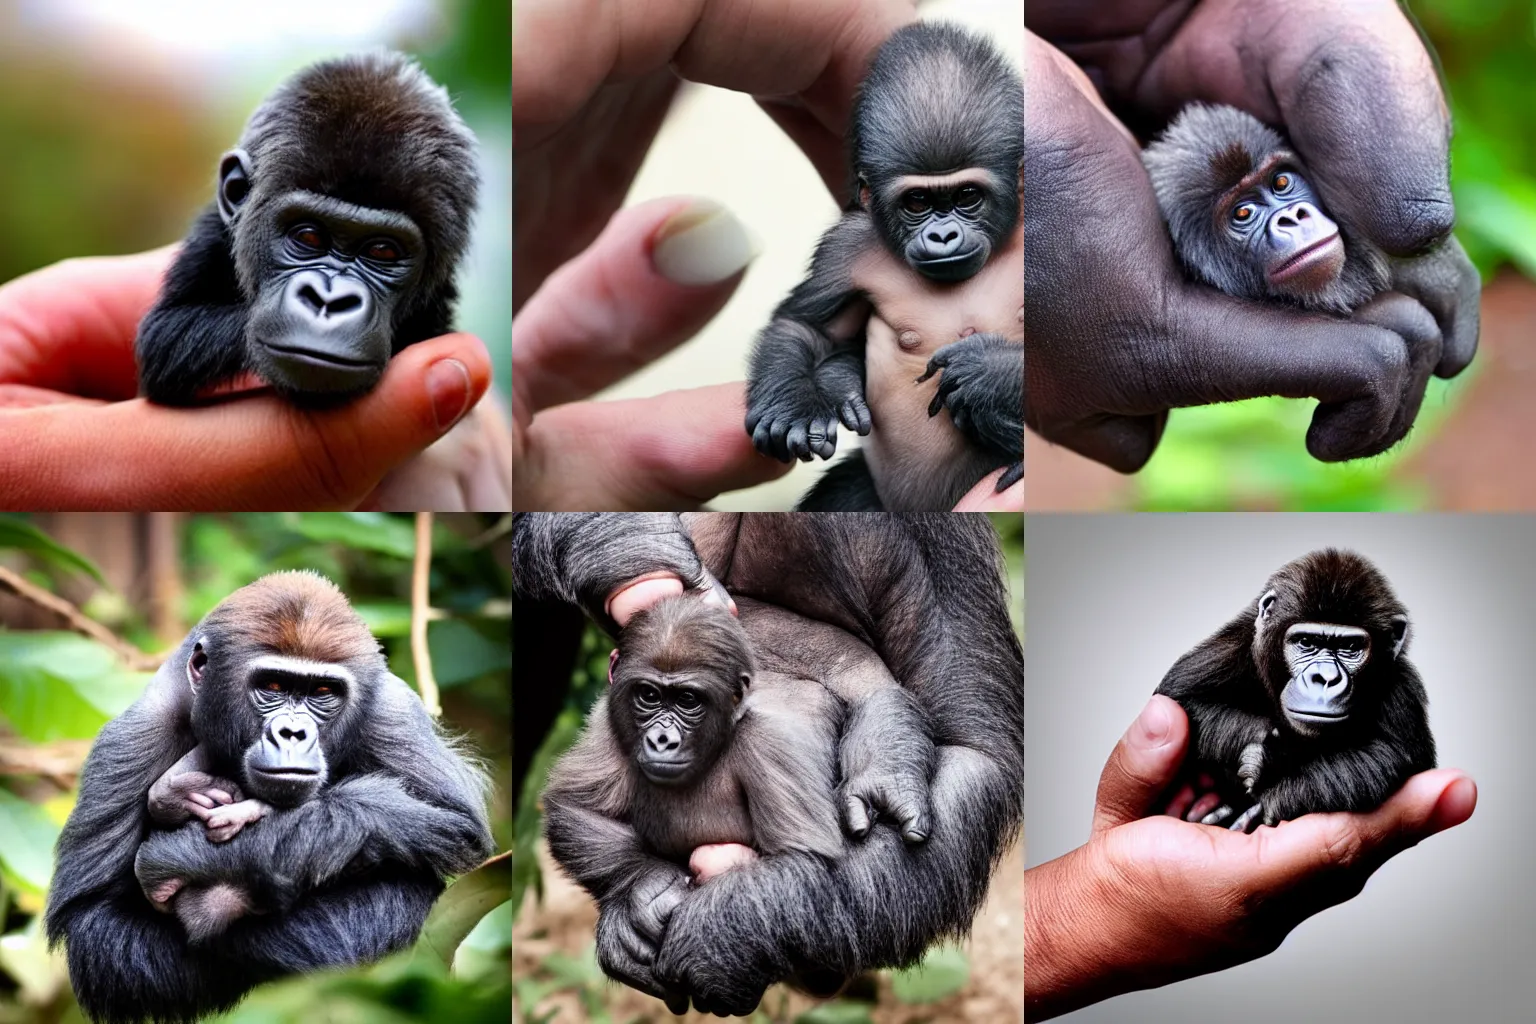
[[1445, 931]]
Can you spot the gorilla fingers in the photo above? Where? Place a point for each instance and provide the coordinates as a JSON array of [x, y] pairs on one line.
[[932, 249], [338, 223], [1306, 701]]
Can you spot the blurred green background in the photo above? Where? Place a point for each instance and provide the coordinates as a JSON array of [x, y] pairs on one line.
[[147, 578], [1252, 454], [556, 978], [113, 115]]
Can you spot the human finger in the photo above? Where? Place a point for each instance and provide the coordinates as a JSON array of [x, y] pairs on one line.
[[1142, 765], [657, 273]]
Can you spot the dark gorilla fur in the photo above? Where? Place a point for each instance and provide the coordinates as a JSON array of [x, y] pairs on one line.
[[926, 594], [933, 100], [344, 878], [1230, 688], [370, 130]]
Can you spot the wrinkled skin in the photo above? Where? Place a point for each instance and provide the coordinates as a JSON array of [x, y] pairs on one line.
[[1116, 335]]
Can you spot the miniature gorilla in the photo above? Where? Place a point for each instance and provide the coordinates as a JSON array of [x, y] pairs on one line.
[[1306, 701], [1246, 219], [338, 224], [922, 276], [694, 746], [927, 595], [288, 697]]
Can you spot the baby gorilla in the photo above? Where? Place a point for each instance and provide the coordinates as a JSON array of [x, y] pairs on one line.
[[716, 735], [921, 278], [1246, 218], [187, 789]]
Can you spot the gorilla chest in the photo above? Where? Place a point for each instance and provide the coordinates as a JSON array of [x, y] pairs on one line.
[[671, 822]]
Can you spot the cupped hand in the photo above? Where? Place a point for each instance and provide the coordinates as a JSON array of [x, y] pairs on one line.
[[1152, 900], [77, 437], [1354, 89]]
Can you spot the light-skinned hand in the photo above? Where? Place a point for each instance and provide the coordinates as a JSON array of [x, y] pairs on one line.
[[77, 437]]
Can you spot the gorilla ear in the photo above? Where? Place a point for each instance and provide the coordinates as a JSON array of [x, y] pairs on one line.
[[1266, 605], [235, 177], [195, 666], [1399, 634]]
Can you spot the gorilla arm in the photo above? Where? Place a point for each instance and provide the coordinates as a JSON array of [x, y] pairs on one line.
[[926, 593], [411, 801], [1216, 685], [636, 892], [807, 368], [194, 336]]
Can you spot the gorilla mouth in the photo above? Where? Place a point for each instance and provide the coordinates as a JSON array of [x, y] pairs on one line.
[[1318, 716], [288, 771], [1313, 268], [317, 357], [951, 268], [664, 771]]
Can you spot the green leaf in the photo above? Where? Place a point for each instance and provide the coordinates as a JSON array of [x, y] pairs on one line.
[[942, 972], [26, 841], [21, 535], [57, 686], [460, 652], [836, 1012], [366, 531], [385, 618], [462, 905]]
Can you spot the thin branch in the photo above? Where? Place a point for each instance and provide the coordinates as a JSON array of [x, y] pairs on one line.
[[76, 620], [59, 762], [421, 611]]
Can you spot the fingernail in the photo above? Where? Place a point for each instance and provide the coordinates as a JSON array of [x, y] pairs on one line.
[[703, 243], [1153, 724], [448, 384], [1455, 804]]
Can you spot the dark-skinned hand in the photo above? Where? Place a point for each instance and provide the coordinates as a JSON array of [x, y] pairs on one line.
[[1152, 900], [1116, 335]]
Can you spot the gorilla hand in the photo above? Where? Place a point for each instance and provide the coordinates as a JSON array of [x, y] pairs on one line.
[[630, 928], [982, 386], [175, 798], [887, 760], [795, 418]]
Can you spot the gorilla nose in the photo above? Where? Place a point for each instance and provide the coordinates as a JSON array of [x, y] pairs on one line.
[[942, 238], [296, 732], [1324, 675], [326, 302], [663, 739]]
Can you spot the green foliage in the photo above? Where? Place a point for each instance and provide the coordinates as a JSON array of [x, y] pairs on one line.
[[26, 855], [466, 902], [836, 1012], [19, 535], [61, 686], [941, 973]]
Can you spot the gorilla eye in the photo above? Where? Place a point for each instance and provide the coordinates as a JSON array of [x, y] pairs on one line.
[[915, 201], [1283, 182], [1243, 213], [273, 687], [322, 691], [687, 700], [647, 696], [968, 197], [307, 236], [383, 251]]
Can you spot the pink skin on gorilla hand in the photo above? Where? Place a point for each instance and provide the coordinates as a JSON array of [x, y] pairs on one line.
[[708, 861]]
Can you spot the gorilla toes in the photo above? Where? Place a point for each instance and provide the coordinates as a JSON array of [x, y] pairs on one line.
[[1011, 476], [1249, 820]]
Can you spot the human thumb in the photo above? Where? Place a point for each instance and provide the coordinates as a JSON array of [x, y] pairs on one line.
[[1142, 765]]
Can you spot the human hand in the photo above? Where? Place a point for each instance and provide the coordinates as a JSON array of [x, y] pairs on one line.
[[77, 437], [1152, 900], [592, 82], [1104, 374], [657, 274]]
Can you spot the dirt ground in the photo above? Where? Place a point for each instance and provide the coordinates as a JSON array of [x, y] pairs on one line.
[[995, 991], [1479, 459]]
